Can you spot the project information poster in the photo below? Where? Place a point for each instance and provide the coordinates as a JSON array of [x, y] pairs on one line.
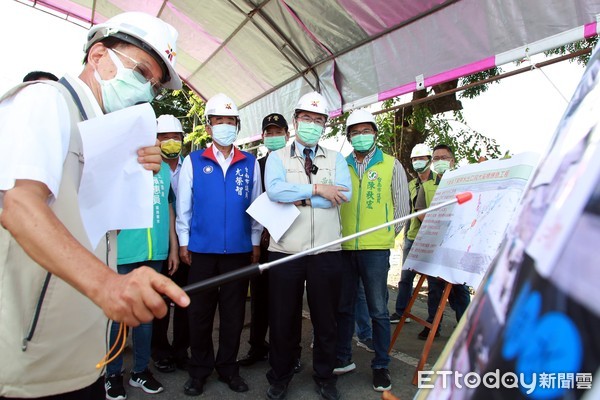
[[458, 243]]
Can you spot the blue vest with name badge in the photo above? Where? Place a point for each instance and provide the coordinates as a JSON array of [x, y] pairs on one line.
[[220, 223]]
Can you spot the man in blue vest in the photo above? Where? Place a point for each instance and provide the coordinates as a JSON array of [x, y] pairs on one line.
[[379, 195], [216, 236]]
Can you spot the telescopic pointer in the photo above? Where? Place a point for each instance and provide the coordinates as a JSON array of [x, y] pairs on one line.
[[255, 269]]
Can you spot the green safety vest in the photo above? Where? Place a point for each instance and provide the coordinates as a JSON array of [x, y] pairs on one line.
[[430, 186], [371, 204]]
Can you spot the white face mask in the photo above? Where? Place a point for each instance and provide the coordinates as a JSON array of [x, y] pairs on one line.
[[125, 89], [441, 166], [224, 134]]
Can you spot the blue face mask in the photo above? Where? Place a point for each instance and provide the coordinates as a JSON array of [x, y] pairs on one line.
[[309, 132], [124, 90], [224, 134]]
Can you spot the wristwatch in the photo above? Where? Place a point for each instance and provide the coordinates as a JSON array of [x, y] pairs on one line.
[[303, 202]]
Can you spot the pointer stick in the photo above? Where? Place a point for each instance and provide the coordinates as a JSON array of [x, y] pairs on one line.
[[255, 269]]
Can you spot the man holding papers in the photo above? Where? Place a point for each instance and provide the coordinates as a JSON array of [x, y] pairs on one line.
[[317, 181]]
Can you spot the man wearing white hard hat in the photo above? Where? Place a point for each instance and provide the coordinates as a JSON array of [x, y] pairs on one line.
[[169, 356], [56, 289], [420, 157], [380, 195], [217, 236], [317, 181]]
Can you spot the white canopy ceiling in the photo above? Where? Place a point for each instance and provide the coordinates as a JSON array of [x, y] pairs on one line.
[[265, 53]]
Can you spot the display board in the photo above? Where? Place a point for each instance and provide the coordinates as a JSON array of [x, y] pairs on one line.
[[458, 243]]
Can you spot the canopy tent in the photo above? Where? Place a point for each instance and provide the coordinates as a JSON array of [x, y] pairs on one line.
[[265, 53]]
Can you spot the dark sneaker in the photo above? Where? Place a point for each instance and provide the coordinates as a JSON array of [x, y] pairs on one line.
[[113, 385], [425, 332], [342, 367], [145, 381], [395, 318], [165, 365], [328, 391], [366, 344], [381, 380]]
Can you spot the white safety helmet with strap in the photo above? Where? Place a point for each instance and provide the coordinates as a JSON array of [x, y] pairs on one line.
[[221, 105], [168, 123], [147, 32], [313, 102], [421, 150], [360, 116]]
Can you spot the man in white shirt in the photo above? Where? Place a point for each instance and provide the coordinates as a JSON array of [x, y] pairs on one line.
[[60, 306]]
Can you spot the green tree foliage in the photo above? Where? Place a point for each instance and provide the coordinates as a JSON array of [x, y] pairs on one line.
[[188, 107], [574, 47]]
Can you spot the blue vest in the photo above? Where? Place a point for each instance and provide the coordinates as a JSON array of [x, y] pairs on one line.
[[220, 223]]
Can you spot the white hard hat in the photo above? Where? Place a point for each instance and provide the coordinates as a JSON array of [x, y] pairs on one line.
[[167, 123], [147, 32], [420, 150], [313, 102], [222, 105], [360, 116]]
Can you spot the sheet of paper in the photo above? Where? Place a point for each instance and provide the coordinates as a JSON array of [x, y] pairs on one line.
[[276, 217], [116, 191]]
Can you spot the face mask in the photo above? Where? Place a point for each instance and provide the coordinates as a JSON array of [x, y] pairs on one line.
[[124, 90], [224, 134], [309, 133], [170, 148], [420, 165], [362, 142], [441, 166], [275, 142]]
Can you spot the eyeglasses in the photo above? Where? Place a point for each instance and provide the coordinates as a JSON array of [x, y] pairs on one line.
[[442, 158], [366, 131], [142, 73], [318, 120]]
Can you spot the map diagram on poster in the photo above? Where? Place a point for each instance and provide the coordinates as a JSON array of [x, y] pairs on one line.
[[458, 243]]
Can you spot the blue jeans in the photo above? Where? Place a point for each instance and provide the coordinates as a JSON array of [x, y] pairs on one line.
[[372, 267], [405, 286], [141, 335], [364, 330], [459, 298]]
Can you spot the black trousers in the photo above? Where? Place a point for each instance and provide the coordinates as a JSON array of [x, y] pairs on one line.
[[231, 300], [259, 308], [93, 392], [161, 348], [321, 273]]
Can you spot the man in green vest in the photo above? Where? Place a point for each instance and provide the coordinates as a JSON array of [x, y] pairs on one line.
[[379, 195], [420, 157], [443, 160]]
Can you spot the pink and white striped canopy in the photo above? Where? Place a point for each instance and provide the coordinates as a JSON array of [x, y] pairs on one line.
[[265, 53]]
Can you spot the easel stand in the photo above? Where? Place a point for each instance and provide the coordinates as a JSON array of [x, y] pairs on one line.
[[433, 327]]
